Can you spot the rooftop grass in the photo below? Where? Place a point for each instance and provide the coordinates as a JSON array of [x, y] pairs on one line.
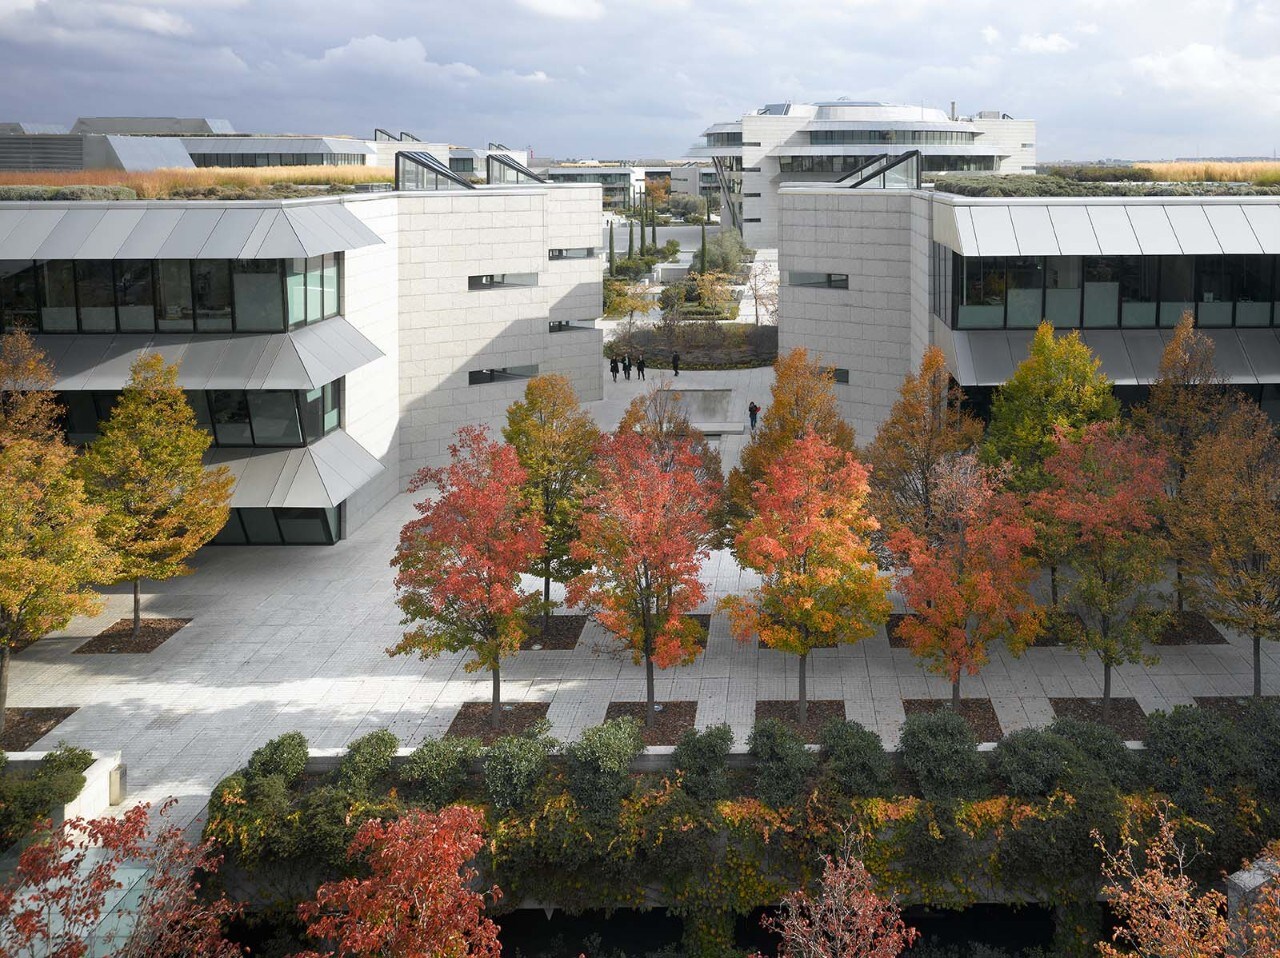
[[274, 182], [1015, 185]]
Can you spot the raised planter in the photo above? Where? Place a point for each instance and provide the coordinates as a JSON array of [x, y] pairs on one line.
[[105, 784]]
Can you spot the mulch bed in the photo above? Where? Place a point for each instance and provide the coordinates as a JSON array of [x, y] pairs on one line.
[[1127, 718], [674, 720], [24, 727], [472, 720], [564, 633], [821, 711], [1234, 708], [1190, 628], [979, 713], [118, 637]]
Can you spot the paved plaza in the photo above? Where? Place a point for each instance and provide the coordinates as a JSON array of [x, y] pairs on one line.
[[286, 638]]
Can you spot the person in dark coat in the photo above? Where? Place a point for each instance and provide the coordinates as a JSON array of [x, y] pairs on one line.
[[675, 364], [753, 411], [613, 367], [640, 367], [626, 367]]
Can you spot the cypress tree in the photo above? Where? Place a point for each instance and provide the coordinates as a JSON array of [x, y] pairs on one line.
[[653, 229], [611, 260], [702, 255], [642, 215], [631, 239]]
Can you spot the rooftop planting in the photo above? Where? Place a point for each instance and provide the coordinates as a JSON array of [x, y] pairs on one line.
[[1015, 185], [213, 183]]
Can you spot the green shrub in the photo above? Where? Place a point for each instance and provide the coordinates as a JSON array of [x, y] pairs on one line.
[[65, 758], [599, 764], [1031, 763], [1101, 174], [1191, 749], [853, 760], [1261, 730], [438, 768], [783, 764], [82, 193], [1019, 184], [1103, 747], [514, 764], [940, 751], [285, 756], [702, 759], [368, 759], [325, 827], [25, 194]]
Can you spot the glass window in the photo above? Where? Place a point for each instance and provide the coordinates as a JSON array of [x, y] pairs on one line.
[[199, 403], [82, 417], [229, 410], [1177, 288], [18, 301], [1062, 291], [981, 293], [260, 526], [232, 533], [1025, 291], [1101, 290], [95, 292], [1139, 290], [308, 526], [58, 296], [1215, 289], [177, 308], [274, 414], [321, 410], [212, 281], [295, 285], [332, 299], [259, 296], [1254, 292], [135, 296], [315, 289]]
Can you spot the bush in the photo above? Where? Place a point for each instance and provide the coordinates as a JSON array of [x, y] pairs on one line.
[[438, 769], [941, 753], [42, 193], [1261, 730], [854, 762], [1017, 184], [1031, 763], [285, 756], [1191, 749], [514, 764], [1102, 174], [725, 252], [599, 764], [702, 759], [783, 764], [368, 759], [1103, 747], [65, 758], [26, 797]]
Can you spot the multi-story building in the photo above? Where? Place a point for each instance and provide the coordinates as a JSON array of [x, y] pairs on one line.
[[697, 179], [871, 277], [835, 140], [331, 346]]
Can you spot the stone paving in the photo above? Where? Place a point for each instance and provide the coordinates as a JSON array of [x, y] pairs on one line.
[[294, 638]]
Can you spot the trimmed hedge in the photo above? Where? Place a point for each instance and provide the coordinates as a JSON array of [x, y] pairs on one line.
[[26, 797], [1041, 185], [941, 753], [701, 759]]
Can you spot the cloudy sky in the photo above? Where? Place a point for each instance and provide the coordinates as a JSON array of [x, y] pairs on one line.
[[627, 78]]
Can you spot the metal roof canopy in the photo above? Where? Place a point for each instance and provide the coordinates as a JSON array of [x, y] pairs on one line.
[[206, 231], [318, 476], [306, 358]]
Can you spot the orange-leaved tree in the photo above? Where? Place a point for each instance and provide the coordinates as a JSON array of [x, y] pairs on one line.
[[810, 541], [644, 534], [461, 560], [1105, 490], [926, 425], [1227, 526], [969, 586], [417, 895]]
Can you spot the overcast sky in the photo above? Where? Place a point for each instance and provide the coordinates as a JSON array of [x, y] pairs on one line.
[[630, 78]]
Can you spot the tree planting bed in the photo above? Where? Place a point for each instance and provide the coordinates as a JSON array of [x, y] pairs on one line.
[[1127, 718], [118, 637], [472, 720], [787, 711], [564, 633], [668, 725], [24, 727], [1189, 627], [979, 713]]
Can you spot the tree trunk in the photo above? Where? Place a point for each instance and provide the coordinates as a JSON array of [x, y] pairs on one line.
[[1177, 586], [648, 690], [546, 599], [137, 607], [1106, 691], [1257, 666], [804, 697], [1053, 586], [495, 710], [4, 682], [955, 695]]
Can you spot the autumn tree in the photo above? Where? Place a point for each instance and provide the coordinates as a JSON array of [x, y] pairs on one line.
[[1060, 385], [967, 586], [145, 470], [845, 918], [460, 562], [713, 290], [802, 398], [555, 440], [50, 553], [644, 534], [810, 541], [1227, 526], [926, 426], [415, 896], [658, 191], [762, 283], [1105, 488]]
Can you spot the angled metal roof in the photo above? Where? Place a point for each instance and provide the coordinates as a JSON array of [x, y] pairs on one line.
[[276, 144], [149, 152], [163, 231], [318, 476], [306, 358]]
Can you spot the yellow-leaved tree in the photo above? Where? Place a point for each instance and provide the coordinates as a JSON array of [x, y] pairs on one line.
[[145, 471]]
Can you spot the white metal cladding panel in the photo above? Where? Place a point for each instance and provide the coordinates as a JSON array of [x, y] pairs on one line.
[[1113, 231], [944, 226], [1232, 229], [27, 236], [68, 235], [964, 228], [1074, 231], [1229, 357], [1265, 222], [231, 233], [9, 220], [994, 231], [1109, 346], [311, 230], [993, 360], [146, 239], [1192, 228], [281, 242], [109, 235], [1145, 347], [190, 235], [260, 229], [1155, 234], [1034, 231]]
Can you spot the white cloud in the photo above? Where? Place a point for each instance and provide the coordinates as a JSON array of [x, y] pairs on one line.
[[566, 9], [1041, 43], [990, 34], [145, 19], [405, 56], [1201, 72]]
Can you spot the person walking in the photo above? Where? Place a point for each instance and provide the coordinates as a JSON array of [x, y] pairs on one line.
[[640, 367], [753, 411], [675, 364], [613, 367], [626, 367]]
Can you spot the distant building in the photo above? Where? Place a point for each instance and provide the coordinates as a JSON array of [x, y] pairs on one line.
[[697, 179]]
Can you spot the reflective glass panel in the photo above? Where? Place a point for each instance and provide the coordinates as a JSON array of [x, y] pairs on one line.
[[229, 410], [315, 289], [1215, 290], [275, 418], [57, 296], [1139, 291], [1177, 288], [982, 293], [260, 526], [1254, 293], [259, 296], [177, 309], [135, 296], [307, 526], [1062, 278], [1102, 290], [212, 281], [332, 301], [295, 284], [1025, 291], [18, 302], [232, 533], [96, 294]]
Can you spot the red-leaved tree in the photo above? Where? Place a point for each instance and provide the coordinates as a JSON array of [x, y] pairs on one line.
[[809, 537], [460, 562], [645, 533], [969, 586], [418, 898]]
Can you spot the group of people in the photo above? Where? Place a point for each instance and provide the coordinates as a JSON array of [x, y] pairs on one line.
[[626, 365]]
